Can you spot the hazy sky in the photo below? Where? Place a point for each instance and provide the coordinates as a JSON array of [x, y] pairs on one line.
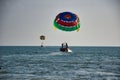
[[23, 21]]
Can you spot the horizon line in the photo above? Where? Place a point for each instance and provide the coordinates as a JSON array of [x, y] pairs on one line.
[[60, 45]]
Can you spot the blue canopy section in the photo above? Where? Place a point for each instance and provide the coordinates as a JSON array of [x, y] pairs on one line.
[[72, 17]]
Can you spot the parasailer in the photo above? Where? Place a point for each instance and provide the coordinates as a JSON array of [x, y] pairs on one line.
[[67, 21], [42, 37]]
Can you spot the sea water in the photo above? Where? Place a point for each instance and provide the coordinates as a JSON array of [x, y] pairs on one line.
[[48, 63]]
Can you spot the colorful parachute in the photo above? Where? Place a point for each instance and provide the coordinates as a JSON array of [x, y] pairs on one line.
[[67, 21]]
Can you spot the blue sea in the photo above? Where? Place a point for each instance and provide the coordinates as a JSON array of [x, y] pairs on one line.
[[48, 63]]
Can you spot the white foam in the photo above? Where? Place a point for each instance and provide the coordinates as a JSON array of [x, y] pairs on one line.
[[56, 53], [69, 50], [95, 72], [105, 73]]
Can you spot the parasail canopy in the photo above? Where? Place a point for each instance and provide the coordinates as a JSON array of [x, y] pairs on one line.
[[67, 21], [42, 37]]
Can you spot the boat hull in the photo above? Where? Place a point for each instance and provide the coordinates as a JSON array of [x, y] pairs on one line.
[[65, 50]]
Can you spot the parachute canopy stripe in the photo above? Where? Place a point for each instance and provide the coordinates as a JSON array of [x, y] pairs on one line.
[[66, 28], [66, 23]]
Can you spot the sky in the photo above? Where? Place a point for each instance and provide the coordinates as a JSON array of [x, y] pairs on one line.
[[23, 21]]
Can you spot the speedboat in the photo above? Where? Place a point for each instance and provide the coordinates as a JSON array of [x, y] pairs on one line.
[[65, 48]]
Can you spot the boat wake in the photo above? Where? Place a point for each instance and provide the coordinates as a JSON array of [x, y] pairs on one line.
[[58, 53], [69, 50]]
